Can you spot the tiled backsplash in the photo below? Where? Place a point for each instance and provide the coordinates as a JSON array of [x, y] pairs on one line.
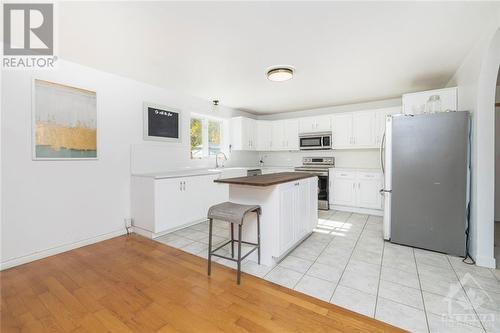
[[359, 158]]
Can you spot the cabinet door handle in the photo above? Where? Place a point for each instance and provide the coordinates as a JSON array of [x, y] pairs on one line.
[[180, 186], [184, 185]]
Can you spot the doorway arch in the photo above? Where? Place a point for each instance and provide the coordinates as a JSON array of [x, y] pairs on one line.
[[483, 157]]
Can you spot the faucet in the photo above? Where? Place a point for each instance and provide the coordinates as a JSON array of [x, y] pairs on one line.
[[217, 159]]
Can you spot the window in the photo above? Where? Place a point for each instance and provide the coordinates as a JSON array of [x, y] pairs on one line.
[[207, 137], [196, 138], [214, 137]]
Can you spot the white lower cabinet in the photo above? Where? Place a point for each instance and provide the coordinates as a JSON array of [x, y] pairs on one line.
[[356, 189], [295, 212], [162, 205], [368, 191]]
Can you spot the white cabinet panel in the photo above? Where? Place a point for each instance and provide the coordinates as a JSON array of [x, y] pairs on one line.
[[315, 124], [307, 125], [344, 191], [278, 135], [170, 204], [287, 216], [323, 123], [364, 129], [368, 196], [161, 205], [291, 134], [264, 135], [243, 132], [302, 203], [342, 130], [356, 189]]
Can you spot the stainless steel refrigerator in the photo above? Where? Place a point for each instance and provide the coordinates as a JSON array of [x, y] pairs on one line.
[[426, 175]]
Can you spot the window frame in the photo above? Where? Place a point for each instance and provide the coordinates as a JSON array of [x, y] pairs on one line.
[[205, 138]]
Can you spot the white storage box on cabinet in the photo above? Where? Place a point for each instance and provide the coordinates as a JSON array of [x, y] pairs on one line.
[[415, 103], [356, 190], [162, 205]]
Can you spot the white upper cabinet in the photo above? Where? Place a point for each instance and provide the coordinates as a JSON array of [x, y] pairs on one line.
[[342, 130], [416, 103], [278, 135], [350, 130], [323, 123], [264, 136], [243, 133], [314, 124], [291, 134], [363, 129], [285, 134]]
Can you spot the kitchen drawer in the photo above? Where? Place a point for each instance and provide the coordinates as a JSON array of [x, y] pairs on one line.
[[344, 174], [369, 175]]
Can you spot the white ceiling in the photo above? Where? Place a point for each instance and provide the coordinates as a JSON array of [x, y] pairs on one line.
[[343, 52]]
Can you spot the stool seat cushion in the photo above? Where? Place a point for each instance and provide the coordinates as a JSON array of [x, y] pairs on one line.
[[231, 212]]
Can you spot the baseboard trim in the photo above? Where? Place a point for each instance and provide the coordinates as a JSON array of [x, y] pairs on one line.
[[358, 210], [152, 235], [59, 249]]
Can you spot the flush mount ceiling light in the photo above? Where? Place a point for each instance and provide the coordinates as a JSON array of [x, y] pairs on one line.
[[281, 73]]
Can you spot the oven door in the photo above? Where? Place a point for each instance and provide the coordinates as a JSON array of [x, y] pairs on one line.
[[323, 200], [311, 142]]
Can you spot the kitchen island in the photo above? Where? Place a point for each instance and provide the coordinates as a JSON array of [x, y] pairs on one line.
[[289, 202]]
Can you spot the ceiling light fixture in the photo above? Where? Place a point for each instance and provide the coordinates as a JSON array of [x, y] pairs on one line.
[[281, 73]]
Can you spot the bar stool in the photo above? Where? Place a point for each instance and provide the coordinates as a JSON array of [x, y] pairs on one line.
[[234, 214]]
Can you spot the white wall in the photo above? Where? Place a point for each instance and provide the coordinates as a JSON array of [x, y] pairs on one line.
[[497, 154], [476, 79], [52, 206], [386, 103], [354, 158]]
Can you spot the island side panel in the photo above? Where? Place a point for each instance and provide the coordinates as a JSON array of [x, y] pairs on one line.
[[268, 198], [274, 218]]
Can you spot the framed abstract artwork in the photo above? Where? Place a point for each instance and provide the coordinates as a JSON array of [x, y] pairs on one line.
[[64, 122]]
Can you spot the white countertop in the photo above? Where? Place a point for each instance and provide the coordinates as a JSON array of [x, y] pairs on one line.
[[200, 172]]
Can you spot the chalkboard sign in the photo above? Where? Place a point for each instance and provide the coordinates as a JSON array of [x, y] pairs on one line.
[[161, 123]]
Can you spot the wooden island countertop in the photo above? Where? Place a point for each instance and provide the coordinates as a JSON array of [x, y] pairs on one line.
[[266, 180]]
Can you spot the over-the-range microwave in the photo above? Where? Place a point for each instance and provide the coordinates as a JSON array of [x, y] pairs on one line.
[[315, 141]]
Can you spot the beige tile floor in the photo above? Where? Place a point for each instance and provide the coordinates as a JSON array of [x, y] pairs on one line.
[[345, 261]]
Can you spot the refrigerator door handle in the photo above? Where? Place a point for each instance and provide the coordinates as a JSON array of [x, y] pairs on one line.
[[382, 155]]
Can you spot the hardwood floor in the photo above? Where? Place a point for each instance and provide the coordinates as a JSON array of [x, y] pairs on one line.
[[133, 284]]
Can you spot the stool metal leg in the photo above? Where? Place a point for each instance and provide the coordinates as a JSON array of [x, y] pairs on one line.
[[210, 247], [239, 255], [258, 237], [232, 241]]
